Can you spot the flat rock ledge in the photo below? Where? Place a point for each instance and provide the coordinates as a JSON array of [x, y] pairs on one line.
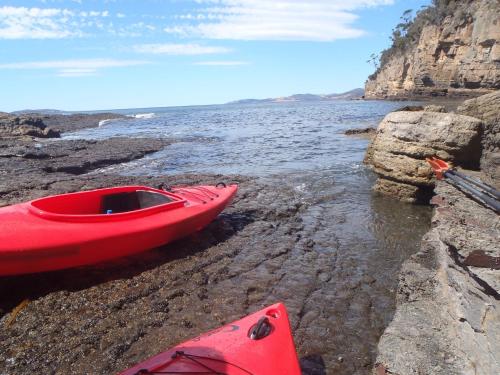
[[447, 319]]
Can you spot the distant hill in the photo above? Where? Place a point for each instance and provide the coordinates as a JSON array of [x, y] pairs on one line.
[[40, 111], [349, 95]]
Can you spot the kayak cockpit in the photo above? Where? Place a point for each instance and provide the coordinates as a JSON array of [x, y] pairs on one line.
[[104, 204], [132, 200]]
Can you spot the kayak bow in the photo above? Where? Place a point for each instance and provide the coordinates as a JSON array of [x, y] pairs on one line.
[[259, 344]]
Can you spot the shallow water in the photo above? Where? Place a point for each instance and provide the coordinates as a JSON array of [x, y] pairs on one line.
[[360, 239]]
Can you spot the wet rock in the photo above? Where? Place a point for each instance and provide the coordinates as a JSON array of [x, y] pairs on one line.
[[447, 319], [403, 141], [19, 126], [419, 108], [404, 192], [80, 156], [78, 121], [410, 108], [362, 132], [487, 108]]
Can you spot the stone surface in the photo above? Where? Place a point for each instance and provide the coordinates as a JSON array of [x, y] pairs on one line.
[[25, 164], [435, 108], [24, 125], [368, 132], [487, 108], [447, 319], [404, 192], [403, 141], [460, 56]]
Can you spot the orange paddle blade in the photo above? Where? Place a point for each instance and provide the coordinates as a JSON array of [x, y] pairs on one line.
[[438, 166]]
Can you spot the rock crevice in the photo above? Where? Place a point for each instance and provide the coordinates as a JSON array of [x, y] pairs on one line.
[[447, 319]]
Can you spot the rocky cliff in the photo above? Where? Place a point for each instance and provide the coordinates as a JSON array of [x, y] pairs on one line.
[[453, 50]]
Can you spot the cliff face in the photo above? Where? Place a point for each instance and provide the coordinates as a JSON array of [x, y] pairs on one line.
[[459, 56]]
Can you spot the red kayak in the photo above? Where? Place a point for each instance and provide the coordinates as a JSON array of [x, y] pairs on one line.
[[69, 230], [259, 344]]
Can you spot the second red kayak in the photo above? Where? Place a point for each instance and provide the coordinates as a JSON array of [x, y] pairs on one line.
[[259, 344], [75, 229]]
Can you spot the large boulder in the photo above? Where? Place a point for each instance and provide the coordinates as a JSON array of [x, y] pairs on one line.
[[487, 108], [404, 139], [19, 126]]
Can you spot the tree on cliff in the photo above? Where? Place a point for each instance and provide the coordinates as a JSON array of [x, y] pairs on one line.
[[407, 33]]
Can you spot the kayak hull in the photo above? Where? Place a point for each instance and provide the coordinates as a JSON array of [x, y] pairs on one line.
[[229, 350], [47, 234]]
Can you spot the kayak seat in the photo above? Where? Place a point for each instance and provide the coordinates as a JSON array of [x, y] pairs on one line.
[[131, 201]]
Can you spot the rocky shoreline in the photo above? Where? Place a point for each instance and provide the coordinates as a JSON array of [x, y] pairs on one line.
[[31, 162], [112, 315], [447, 319], [264, 248]]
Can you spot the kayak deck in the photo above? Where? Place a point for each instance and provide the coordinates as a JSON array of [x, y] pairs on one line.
[[69, 230], [258, 344]]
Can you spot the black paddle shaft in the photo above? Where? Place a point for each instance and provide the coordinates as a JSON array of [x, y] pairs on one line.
[[487, 188], [454, 180]]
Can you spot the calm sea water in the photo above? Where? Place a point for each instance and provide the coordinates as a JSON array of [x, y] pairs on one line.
[[302, 145], [260, 139]]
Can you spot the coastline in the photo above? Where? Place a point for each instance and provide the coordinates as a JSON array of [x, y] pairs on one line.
[[116, 314], [266, 246]]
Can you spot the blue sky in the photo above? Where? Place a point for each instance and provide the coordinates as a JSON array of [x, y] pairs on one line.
[[89, 54]]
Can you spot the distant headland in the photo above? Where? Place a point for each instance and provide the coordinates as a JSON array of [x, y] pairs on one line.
[[348, 95]]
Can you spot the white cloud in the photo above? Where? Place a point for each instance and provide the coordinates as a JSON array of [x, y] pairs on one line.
[[46, 23], [221, 63], [314, 20], [179, 49], [73, 68], [79, 72]]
